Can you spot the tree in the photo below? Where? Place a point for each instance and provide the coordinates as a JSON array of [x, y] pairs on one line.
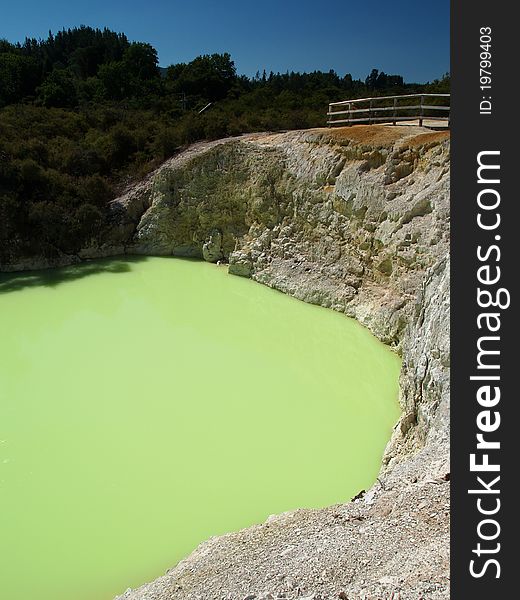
[[347, 81], [209, 77], [18, 77], [116, 80], [141, 61], [371, 80], [58, 89]]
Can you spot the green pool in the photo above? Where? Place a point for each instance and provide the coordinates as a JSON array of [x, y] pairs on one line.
[[147, 404]]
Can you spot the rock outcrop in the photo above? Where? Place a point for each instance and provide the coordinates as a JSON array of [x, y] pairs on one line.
[[356, 220]]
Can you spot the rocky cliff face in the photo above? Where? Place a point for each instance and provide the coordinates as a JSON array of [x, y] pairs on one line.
[[356, 220]]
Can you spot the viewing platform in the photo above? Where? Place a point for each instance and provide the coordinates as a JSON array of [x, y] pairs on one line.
[[428, 110]]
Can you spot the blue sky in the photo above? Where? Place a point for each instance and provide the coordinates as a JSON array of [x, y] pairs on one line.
[[404, 36]]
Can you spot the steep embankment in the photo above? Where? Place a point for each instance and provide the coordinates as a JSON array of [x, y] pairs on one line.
[[353, 219]]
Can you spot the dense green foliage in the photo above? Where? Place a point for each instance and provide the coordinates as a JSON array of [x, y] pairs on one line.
[[85, 112]]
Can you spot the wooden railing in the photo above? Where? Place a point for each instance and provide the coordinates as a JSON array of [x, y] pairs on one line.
[[390, 109]]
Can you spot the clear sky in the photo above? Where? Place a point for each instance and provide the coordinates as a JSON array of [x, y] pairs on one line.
[[408, 37]]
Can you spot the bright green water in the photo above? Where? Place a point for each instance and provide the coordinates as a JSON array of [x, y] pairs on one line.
[[148, 404]]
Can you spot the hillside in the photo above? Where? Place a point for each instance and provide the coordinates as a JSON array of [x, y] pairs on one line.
[[85, 112]]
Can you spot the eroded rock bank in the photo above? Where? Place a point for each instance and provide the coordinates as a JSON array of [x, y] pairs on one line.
[[356, 220]]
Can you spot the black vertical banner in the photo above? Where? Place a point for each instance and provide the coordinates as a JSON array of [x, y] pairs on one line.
[[485, 239]]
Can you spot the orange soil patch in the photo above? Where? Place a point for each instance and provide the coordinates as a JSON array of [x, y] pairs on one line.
[[372, 135], [383, 136], [434, 137]]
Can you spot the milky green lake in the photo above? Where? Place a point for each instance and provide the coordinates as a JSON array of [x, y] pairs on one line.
[[147, 404]]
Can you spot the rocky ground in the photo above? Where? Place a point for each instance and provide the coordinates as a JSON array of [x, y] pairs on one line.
[[392, 543], [355, 219]]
